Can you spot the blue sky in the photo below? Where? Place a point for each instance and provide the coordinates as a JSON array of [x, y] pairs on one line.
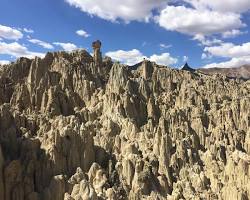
[[204, 33]]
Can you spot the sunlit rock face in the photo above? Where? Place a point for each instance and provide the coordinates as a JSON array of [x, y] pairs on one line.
[[74, 127]]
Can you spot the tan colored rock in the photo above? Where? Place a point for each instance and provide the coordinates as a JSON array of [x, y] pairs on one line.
[[77, 127], [13, 181], [1, 174], [97, 53], [56, 188]]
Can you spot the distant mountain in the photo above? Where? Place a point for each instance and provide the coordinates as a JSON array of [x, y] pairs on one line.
[[237, 72]]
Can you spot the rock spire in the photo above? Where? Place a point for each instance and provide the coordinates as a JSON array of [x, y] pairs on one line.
[[96, 45]]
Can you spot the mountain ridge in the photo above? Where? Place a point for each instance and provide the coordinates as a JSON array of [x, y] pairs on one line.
[[234, 72]]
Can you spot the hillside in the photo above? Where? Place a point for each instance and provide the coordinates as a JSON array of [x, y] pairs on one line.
[[236, 72], [73, 127]]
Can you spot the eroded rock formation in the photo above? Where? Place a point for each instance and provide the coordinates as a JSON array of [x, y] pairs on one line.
[[74, 127]]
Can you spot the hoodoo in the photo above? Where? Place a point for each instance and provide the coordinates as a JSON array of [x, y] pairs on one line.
[[73, 127], [147, 69], [96, 45]]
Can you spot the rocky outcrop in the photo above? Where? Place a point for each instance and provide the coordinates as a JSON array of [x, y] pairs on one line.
[[76, 127]]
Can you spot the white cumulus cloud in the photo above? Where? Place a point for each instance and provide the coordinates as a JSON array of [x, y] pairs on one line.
[[185, 58], [198, 22], [229, 50], [128, 57], [10, 33], [4, 62], [28, 30], [232, 33], [43, 44], [207, 41], [17, 50], [238, 54], [234, 62], [238, 6], [114, 10], [134, 56], [66, 46], [165, 46], [82, 33], [163, 59]]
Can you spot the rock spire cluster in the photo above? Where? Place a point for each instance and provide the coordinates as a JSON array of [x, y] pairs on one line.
[[77, 127]]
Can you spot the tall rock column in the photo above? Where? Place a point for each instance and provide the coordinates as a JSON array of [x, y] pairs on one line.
[[96, 45], [147, 69]]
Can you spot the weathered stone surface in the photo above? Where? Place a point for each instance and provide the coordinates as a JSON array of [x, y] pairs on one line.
[[1, 174], [75, 127]]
